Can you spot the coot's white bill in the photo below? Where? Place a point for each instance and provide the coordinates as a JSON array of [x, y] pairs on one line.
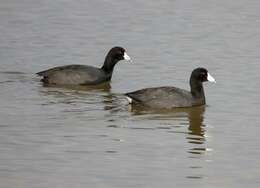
[[126, 57], [210, 78]]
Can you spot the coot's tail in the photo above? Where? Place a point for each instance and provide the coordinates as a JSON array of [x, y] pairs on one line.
[[45, 78], [42, 73]]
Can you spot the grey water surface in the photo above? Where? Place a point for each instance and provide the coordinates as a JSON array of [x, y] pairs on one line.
[[78, 137]]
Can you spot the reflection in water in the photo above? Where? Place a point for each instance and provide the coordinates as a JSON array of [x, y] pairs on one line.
[[65, 93], [186, 121], [192, 117], [79, 100], [173, 121], [100, 87], [195, 131]]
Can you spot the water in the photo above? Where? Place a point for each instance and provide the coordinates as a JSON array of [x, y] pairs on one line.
[[61, 137]]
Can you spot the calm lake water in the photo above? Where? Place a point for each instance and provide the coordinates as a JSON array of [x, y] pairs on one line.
[[61, 137]]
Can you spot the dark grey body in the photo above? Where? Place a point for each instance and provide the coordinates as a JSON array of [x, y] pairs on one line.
[[84, 74], [165, 97], [75, 75], [172, 97]]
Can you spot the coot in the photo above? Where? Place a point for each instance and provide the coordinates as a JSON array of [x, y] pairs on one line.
[[84, 74], [173, 97]]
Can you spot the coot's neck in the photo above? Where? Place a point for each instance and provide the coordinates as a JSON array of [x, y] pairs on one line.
[[197, 90], [109, 64]]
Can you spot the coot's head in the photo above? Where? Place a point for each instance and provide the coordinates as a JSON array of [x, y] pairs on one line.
[[118, 53], [201, 75]]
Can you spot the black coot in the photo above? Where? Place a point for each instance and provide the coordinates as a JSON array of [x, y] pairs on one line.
[[84, 74], [172, 97]]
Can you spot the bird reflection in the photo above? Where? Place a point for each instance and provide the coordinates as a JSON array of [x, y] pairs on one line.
[[83, 97], [101, 87], [196, 116], [194, 119], [196, 129]]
